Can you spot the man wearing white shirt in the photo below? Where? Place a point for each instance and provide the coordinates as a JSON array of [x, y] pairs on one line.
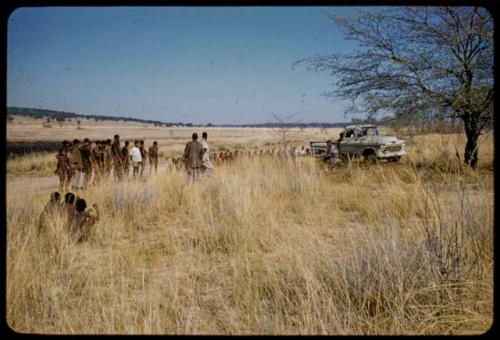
[[207, 165], [135, 155]]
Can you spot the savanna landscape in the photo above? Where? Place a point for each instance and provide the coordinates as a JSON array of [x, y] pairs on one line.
[[264, 245], [301, 227]]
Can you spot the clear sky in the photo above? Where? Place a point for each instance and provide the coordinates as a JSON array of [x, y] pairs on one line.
[[220, 65]]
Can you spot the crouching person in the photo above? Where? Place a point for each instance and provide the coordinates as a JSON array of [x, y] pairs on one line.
[[80, 222]]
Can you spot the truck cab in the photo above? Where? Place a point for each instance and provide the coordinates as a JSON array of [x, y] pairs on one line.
[[366, 141]]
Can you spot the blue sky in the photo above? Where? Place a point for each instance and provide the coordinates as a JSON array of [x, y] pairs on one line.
[[220, 65]]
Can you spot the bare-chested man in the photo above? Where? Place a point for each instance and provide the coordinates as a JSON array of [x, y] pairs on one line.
[[143, 155], [126, 159], [94, 157], [67, 146], [77, 164], [108, 159], [153, 156], [117, 158], [86, 161], [63, 169]]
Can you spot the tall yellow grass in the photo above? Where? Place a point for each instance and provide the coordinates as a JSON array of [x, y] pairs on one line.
[[264, 246], [39, 164]]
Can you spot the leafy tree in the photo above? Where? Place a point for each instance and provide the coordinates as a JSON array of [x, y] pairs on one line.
[[433, 60]]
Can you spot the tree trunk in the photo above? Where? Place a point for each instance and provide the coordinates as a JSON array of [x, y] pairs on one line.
[[471, 147], [470, 155]]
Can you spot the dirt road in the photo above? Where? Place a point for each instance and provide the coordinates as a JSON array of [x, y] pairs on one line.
[[27, 185]]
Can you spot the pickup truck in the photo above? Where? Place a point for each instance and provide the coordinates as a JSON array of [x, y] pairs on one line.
[[363, 141]]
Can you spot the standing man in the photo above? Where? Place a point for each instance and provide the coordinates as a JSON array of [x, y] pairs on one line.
[[135, 155], [77, 164], [62, 169], [153, 157], [207, 166], [143, 156], [125, 159], [193, 156], [94, 158], [100, 157], [117, 157], [108, 159], [67, 151], [86, 161]]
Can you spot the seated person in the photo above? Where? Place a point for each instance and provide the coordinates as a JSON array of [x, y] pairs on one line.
[[80, 223], [48, 211], [68, 206]]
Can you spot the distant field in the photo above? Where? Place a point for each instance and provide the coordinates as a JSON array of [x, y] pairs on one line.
[[171, 140], [35, 132], [263, 246]]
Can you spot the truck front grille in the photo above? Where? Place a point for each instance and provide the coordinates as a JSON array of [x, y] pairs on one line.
[[393, 148]]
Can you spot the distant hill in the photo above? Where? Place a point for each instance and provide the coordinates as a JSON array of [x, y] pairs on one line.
[[60, 116]]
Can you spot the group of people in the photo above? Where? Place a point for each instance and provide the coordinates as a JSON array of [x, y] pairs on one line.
[[211, 158], [78, 219], [80, 163], [76, 160]]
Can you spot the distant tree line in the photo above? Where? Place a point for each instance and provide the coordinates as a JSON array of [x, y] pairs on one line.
[[289, 125], [60, 116]]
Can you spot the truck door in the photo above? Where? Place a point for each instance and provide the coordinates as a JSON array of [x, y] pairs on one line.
[[346, 144], [357, 142]]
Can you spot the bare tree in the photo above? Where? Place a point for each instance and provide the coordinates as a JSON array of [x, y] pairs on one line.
[[285, 124], [412, 61]]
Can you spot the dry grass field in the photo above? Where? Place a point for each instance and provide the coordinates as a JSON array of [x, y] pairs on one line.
[[262, 246]]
